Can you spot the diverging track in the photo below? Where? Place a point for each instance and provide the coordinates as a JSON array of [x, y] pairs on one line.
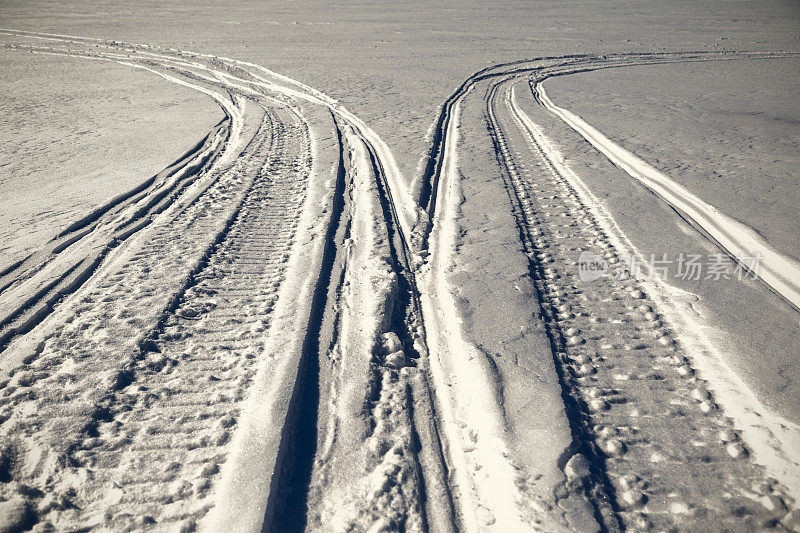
[[226, 361], [646, 431], [276, 334]]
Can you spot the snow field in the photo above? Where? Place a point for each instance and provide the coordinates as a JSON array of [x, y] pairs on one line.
[[271, 340]]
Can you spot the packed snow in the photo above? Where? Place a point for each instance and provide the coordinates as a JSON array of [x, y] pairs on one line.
[[368, 268]]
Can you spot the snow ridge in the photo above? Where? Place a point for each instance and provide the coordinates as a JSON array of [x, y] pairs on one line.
[[777, 270]]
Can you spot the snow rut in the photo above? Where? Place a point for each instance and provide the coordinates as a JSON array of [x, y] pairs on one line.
[[267, 336], [110, 413], [670, 456]]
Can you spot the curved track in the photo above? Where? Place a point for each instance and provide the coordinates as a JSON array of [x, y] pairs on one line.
[[648, 435], [275, 333]]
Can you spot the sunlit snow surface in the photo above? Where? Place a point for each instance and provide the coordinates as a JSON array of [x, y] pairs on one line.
[[356, 301]]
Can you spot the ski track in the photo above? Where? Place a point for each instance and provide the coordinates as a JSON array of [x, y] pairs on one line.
[[265, 335]]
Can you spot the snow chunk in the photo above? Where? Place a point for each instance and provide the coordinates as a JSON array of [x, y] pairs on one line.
[[391, 342], [396, 359], [15, 515]]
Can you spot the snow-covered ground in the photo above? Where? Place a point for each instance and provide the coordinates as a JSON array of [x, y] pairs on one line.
[[704, 139], [74, 134], [358, 287], [728, 131]]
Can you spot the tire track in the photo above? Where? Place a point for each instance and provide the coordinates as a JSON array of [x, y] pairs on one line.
[[34, 287], [257, 357], [279, 500], [636, 389], [31, 289], [433, 470], [66, 401], [288, 510], [403, 435], [167, 380], [364, 399], [618, 458], [593, 480], [190, 381]]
